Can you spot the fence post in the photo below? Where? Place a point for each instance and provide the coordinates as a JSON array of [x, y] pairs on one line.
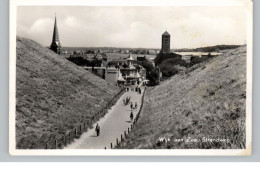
[[46, 146], [64, 138], [56, 144], [111, 145], [125, 133], [121, 137], [116, 141], [75, 131]]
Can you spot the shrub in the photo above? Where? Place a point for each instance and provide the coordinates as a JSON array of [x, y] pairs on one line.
[[172, 66], [153, 76]]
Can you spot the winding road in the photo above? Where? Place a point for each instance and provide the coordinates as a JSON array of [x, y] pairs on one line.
[[112, 125]]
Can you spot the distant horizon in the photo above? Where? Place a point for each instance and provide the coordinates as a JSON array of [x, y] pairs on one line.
[[143, 47], [131, 47]]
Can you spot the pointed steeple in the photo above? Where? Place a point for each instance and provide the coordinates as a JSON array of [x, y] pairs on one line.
[[55, 45]]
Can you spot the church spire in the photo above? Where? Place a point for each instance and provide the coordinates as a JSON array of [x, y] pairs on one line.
[[55, 45]]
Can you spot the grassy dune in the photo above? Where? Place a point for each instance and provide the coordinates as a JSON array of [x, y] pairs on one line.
[[52, 94], [208, 100]]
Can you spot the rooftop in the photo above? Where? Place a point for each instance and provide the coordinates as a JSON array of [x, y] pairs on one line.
[[166, 33]]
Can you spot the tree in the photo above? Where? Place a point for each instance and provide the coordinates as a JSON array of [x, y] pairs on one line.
[[172, 66], [153, 76], [147, 65], [95, 63], [78, 60]]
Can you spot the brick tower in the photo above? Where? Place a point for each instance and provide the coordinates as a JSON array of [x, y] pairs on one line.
[[166, 38], [55, 45]]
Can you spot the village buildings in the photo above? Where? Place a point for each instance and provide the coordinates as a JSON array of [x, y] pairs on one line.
[[120, 72]]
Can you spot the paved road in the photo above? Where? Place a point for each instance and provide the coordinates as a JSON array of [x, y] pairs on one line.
[[112, 125]]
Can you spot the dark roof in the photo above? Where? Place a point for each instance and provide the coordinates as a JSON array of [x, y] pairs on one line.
[[141, 58], [166, 33]]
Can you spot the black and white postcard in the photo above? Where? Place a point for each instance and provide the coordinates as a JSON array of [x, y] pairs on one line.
[[113, 77]]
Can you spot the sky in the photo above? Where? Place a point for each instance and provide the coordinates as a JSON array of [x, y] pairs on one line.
[[134, 27]]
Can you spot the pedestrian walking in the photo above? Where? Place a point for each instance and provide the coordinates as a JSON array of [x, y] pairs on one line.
[[97, 129], [131, 116]]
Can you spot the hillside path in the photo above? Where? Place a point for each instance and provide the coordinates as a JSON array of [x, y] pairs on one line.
[[112, 125]]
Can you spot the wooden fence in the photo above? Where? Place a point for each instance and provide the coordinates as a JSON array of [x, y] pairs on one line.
[[124, 136], [83, 126]]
